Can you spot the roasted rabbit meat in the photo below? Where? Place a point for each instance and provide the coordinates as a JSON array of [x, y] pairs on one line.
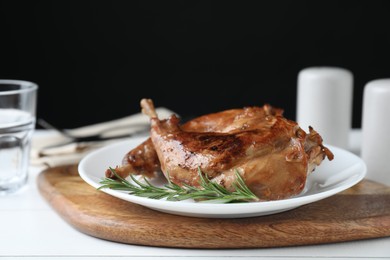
[[144, 160], [272, 154]]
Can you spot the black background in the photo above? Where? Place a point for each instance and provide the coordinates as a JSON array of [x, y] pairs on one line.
[[95, 60]]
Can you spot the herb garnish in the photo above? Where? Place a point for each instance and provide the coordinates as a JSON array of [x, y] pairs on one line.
[[209, 191]]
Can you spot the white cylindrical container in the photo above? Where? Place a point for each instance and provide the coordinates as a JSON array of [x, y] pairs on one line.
[[376, 130], [324, 101]]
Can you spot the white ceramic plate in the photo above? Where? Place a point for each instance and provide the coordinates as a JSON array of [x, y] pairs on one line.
[[328, 179]]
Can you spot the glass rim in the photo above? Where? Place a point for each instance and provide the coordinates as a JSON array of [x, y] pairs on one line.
[[26, 86]]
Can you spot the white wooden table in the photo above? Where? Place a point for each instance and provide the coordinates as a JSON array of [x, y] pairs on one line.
[[31, 229]]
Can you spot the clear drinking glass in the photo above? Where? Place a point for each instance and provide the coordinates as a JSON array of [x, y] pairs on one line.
[[17, 122]]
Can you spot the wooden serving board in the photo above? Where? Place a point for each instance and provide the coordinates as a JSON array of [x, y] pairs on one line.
[[360, 212]]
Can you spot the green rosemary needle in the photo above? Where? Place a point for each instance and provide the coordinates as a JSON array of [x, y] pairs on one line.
[[209, 191]]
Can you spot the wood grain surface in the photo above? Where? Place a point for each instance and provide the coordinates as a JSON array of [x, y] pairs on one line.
[[361, 212]]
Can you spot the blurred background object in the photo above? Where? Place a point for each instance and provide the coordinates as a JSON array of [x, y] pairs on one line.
[[95, 60], [376, 129], [324, 102]]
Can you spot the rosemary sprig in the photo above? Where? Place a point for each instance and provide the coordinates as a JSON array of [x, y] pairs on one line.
[[209, 191]]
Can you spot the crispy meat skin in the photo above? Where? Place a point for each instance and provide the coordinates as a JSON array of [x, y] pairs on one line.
[[143, 159], [272, 154]]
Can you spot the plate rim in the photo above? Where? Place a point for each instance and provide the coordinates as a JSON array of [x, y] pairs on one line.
[[203, 209]]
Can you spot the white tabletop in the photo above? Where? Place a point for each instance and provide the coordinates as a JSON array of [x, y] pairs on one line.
[[31, 229]]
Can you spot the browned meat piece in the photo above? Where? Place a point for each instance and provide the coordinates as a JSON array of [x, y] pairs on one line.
[[273, 159], [140, 160], [144, 160]]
